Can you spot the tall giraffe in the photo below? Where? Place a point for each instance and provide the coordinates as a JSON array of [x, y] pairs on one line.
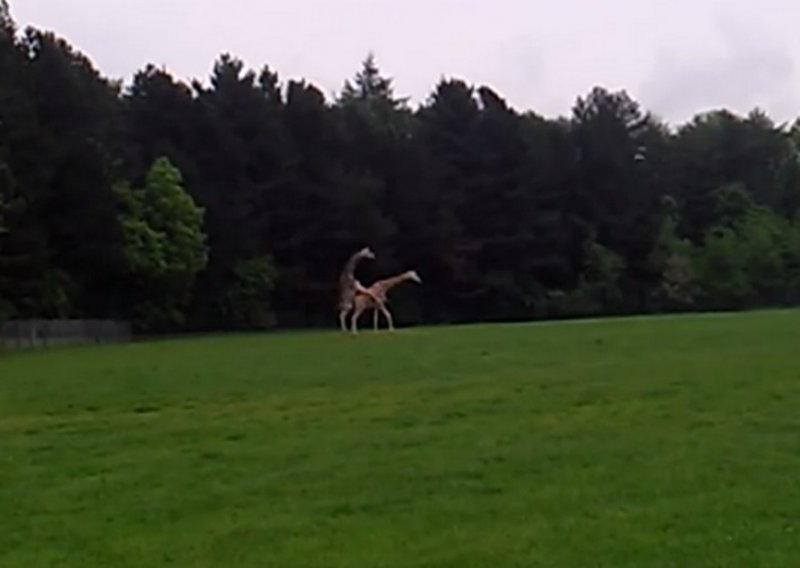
[[349, 286], [377, 298]]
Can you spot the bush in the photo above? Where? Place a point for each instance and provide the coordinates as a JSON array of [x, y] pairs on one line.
[[247, 301]]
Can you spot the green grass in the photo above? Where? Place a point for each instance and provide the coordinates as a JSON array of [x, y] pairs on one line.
[[641, 442]]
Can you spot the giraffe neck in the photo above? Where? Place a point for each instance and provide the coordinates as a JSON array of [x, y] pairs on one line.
[[350, 267], [383, 286]]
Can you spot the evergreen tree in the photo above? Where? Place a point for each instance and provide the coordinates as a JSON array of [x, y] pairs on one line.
[[268, 187]]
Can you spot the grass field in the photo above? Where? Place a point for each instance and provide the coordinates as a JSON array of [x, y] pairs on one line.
[[642, 442]]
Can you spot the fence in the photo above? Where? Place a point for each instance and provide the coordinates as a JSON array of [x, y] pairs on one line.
[[24, 334]]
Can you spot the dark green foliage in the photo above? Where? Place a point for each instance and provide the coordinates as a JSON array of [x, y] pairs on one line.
[[752, 261], [164, 246], [247, 301], [507, 215]]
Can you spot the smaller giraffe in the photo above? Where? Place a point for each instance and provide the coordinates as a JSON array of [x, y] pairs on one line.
[[349, 287], [378, 298]]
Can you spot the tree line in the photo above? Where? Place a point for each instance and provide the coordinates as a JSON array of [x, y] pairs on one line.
[[233, 204]]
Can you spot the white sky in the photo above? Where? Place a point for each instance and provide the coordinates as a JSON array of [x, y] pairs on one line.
[[676, 57]]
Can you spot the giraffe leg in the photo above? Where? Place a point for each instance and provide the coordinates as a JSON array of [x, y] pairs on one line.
[[343, 320], [388, 315], [354, 321]]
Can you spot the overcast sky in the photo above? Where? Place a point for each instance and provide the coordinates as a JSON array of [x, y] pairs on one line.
[[676, 57]]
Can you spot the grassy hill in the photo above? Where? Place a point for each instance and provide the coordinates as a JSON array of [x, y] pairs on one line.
[[636, 442]]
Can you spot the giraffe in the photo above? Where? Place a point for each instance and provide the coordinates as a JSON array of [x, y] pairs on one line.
[[349, 286], [377, 299]]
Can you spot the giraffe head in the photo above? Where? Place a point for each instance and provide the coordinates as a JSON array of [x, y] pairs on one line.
[[367, 253], [413, 276]]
